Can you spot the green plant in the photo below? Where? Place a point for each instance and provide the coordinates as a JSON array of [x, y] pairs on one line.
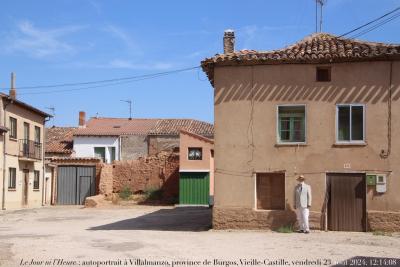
[[285, 229], [382, 233], [153, 194], [125, 193]]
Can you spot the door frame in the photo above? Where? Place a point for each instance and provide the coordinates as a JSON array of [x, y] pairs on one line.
[[326, 207], [25, 187]]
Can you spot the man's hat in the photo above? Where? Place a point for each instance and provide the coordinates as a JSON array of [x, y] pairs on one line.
[[300, 178]]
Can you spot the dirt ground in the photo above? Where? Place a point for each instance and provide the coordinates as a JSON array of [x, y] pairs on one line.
[[163, 236]]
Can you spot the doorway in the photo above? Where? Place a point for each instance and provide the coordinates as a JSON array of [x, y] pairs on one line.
[[25, 187], [347, 202]]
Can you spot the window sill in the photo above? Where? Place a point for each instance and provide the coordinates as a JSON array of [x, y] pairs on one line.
[[350, 144], [36, 190], [13, 139], [290, 144], [12, 189], [261, 210]]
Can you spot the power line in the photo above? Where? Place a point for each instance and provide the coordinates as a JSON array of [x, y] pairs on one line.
[[371, 22], [134, 78], [375, 26]]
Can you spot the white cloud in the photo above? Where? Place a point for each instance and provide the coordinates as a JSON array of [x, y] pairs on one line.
[[40, 43], [123, 36]]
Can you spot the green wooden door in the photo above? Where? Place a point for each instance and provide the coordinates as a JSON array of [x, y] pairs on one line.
[[194, 188]]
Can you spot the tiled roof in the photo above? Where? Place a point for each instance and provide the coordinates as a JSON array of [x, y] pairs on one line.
[[316, 48], [174, 126], [59, 140], [199, 137], [25, 105], [119, 126], [116, 127]]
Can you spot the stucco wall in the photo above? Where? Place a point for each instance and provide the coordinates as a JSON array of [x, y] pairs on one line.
[[84, 145], [133, 146], [246, 99]]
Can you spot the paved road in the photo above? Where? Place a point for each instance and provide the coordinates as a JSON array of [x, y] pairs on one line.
[[73, 236]]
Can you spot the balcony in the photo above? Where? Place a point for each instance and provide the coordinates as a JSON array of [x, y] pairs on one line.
[[29, 149]]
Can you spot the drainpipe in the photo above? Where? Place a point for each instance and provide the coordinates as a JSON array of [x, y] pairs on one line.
[[3, 197], [43, 161]]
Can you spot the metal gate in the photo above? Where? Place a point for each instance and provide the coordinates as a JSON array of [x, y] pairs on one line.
[[194, 188], [75, 183], [346, 204]]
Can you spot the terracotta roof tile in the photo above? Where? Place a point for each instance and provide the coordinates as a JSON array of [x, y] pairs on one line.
[[174, 126], [59, 140], [316, 48]]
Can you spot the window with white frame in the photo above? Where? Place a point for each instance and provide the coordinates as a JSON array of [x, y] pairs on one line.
[[195, 153], [291, 124], [350, 123], [12, 178]]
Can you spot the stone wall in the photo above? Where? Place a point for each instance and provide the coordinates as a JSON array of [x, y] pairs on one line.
[[383, 221], [244, 218], [133, 147], [162, 143], [149, 173]]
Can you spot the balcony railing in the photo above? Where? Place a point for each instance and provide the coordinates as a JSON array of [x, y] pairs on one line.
[[30, 149]]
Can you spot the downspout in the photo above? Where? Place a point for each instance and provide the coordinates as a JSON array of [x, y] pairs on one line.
[[3, 197], [385, 154], [43, 161]]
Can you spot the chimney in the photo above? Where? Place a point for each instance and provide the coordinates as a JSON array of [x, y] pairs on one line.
[[229, 41], [13, 91], [82, 119]]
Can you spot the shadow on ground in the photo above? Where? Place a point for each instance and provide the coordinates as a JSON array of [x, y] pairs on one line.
[[176, 219]]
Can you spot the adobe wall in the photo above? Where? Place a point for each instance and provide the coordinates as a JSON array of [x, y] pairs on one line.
[[153, 172], [133, 147], [156, 143], [246, 99]]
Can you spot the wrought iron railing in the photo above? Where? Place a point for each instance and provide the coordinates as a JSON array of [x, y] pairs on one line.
[[30, 149]]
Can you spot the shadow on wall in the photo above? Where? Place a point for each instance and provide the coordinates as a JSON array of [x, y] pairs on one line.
[[280, 92], [177, 219]]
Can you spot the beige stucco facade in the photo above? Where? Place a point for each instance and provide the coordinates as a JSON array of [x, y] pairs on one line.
[[11, 157], [246, 101]]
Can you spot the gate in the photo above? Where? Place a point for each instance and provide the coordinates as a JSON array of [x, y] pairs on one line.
[[346, 204], [75, 183], [194, 188]]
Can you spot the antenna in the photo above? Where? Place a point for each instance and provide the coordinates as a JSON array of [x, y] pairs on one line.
[[130, 107], [321, 3], [53, 113]]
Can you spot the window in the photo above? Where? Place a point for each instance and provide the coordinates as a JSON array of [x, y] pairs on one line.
[[112, 153], [270, 190], [100, 152], [13, 128], [36, 180], [12, 179], [323, 74], [195, 153], [291, 124], [350, 123], [37, 134]]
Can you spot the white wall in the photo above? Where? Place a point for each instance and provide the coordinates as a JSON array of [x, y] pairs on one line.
[[84, 146]]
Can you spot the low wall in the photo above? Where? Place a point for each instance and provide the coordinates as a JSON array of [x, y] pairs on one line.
[[160, 171], [383, 221]]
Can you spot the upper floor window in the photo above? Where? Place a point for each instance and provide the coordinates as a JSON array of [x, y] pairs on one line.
[[323, 74], [37, 134], [350, 123], [195, 153], [13, 128], [291, 124]]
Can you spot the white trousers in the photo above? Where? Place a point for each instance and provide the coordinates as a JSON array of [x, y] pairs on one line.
[[302, 218]]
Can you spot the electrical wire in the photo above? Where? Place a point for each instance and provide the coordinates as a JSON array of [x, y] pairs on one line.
[[370, 22], [375, 26], [138, 77]]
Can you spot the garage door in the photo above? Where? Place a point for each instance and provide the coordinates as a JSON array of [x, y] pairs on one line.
[[194, 188], [75, 183], [346, 204]]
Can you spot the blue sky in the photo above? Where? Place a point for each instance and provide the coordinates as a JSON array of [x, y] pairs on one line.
[[48, 42]]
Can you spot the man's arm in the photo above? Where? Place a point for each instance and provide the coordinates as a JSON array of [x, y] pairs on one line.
[[309, 197]]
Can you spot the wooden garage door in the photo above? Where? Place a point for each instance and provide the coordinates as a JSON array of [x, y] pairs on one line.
[[346, 204]]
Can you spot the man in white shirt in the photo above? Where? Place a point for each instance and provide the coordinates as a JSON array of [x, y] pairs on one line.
[[302, 203]]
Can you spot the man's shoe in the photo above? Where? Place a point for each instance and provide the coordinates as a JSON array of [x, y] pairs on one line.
[[306, 232], [300, 231]]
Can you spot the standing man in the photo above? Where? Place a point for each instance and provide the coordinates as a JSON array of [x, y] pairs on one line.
[[302, 204]]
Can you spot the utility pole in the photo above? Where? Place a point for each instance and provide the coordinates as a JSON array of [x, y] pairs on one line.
[[321, 3], [130, 107]]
